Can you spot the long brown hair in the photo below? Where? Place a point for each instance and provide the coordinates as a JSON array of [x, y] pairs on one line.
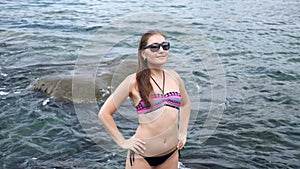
[[143, 73]]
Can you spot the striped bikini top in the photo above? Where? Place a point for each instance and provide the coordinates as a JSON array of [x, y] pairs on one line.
[[171, 99]]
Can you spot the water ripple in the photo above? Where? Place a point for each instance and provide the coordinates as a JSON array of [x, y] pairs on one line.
[[257, 42]]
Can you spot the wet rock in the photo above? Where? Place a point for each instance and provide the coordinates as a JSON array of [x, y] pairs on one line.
[[88, 89]]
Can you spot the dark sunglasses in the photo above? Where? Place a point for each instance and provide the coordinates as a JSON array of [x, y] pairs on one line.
[[156, 46]]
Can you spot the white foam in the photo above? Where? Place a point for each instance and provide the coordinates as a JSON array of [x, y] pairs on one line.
[[3, 74], [2, 93], [181, 166], [46, 102]]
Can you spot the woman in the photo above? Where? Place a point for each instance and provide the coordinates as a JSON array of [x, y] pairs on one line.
[[160, 98]]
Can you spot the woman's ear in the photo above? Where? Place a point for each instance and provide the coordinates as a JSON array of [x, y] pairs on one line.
[[143, 55]]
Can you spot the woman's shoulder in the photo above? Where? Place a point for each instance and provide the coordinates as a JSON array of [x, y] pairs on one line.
[[131, 79], [133, 91], [173, 74], [132, 76]]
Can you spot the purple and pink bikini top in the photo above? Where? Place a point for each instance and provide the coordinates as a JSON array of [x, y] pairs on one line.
[[171, 99]]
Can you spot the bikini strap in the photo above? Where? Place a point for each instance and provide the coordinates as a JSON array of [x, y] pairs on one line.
[[163, 89], [131, 157]]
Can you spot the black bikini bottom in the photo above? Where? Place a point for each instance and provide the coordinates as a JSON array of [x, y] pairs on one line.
[[153, 161]]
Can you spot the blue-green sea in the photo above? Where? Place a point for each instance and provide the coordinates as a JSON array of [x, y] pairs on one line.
[[257, 43]]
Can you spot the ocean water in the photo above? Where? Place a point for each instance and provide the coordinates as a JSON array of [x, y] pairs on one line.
[[257, 43]]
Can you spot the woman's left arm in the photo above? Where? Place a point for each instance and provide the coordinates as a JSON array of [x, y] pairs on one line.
[[185, 110]]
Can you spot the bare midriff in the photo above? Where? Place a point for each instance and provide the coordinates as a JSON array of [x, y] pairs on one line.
[[159, 129]]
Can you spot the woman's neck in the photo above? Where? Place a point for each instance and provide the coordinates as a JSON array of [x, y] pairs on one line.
[[155, 72]]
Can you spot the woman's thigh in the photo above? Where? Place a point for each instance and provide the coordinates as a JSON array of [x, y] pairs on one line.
[[170, 163], [138, 163]]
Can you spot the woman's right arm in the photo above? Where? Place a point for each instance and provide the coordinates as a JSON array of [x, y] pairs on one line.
[[106, 116]]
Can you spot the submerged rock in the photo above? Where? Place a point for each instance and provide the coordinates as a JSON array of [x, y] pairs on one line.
[[60, 87], [88, 89]]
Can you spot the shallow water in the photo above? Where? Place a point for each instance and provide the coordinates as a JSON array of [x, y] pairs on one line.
[[257, 43]]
